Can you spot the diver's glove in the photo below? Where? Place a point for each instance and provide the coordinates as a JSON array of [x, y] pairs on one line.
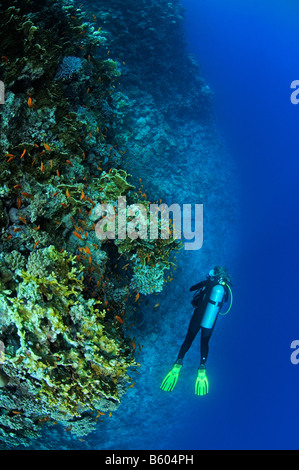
[[201, 383], [170, 380]]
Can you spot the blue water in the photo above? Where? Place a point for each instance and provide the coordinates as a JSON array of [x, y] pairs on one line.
[[248, 53]]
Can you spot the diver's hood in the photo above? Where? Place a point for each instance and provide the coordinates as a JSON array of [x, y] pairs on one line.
[[219, 278]]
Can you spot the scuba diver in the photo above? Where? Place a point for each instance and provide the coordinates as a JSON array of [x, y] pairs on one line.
[[208, 300]]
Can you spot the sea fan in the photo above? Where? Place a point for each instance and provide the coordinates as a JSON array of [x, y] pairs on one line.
[[68, 67]]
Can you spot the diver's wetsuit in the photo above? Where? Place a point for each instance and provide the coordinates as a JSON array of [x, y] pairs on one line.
[[194, 325]]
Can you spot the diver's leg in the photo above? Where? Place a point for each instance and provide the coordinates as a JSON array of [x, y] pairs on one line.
[[206, 334], [193, 329]]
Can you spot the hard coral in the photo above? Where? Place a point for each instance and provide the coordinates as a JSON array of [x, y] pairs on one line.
[[62, 347], [148, 279]]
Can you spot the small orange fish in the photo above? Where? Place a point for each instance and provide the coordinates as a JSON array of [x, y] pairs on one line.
[[157, 305], [5, 59], [77, 235], [55, 194], [33, 161], [30, 102], [93, 203], [36, 228], [23, 220], [57, 172], [63, 204], [137, 297], [69, 163], [131, 386], [17, 229], [19, 202], [47, 147], [119, 319], [9, 237], [67, 193], [9, 160], [41, 167], [51, 164], [27, 195], [36, 244], [82, 195], [17, 186], [87, 250], [23, 153]]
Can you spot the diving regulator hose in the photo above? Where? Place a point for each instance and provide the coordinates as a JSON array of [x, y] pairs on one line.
[[231, 299]]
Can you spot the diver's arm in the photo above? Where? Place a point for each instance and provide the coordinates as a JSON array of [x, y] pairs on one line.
[[197, 286]]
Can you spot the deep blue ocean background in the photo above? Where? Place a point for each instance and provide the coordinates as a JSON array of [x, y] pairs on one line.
[[248, 54]]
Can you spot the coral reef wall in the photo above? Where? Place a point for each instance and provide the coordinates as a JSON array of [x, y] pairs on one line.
[[148, 40], [65, 294]]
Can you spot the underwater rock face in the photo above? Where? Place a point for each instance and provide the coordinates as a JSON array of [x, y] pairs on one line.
[[64, 295], [149, 43]]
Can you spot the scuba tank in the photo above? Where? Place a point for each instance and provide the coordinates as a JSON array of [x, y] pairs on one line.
[[213, 306]]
